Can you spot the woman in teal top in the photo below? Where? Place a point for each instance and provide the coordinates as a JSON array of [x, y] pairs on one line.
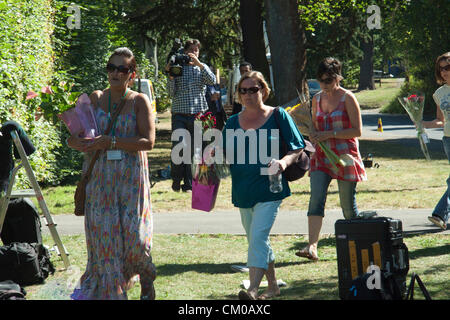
[[250, 141]]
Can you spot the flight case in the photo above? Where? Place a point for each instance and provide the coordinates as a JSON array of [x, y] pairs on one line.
[[377, 241]]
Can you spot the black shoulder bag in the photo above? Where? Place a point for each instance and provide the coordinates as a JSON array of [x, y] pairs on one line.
[[299, 167]]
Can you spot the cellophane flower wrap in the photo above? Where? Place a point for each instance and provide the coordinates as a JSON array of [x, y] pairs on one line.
[[301, 113], [206, 172], [80, 119], [414, 105], [204, 169]]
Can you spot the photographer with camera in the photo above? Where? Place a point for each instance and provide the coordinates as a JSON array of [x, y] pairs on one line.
[[188, 78]]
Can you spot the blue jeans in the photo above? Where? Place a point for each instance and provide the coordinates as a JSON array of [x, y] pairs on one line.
[[442, 209], [258, 222], [319, 182]]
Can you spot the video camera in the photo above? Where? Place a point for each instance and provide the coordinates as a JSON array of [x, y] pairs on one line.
[[177, 59]]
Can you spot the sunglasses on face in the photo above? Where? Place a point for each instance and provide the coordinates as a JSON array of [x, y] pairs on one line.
[[446, 68], [326, 80], [110, 67], [250, 90]]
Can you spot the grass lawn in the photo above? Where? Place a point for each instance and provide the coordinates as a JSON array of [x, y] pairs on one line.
[[381, 96], [194, 267]]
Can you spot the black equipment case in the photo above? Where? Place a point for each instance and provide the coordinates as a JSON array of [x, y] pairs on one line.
[[22, 222], [376, 241]]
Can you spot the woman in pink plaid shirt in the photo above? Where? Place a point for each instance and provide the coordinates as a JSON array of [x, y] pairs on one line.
[[337, 119]]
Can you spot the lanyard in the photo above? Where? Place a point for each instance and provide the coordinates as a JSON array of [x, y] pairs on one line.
[[114, 107]]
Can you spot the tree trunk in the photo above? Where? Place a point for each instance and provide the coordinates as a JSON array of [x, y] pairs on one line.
[[366, 65], [150, 46], [254, 50], [288, 49]]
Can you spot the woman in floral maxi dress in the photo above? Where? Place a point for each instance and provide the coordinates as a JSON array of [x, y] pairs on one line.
[[118, 220]]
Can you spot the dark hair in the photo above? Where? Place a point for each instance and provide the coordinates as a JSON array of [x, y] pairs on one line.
[[437, 67], [127, 53], [191, 42], [244, 64], [329, 66]]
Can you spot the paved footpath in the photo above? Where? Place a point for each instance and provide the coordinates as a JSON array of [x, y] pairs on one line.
[[216, 222]]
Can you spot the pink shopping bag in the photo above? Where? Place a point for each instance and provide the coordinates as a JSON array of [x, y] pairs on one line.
[[204, 196]]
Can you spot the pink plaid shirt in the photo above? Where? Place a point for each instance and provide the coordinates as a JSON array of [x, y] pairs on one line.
[[337, 119]]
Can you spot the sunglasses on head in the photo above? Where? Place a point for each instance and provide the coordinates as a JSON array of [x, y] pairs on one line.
[[110, 67], [446, 68], [326, 80], [250, 90]]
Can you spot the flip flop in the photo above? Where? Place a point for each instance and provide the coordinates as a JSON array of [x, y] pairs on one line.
[[306, 253], [438, 222]]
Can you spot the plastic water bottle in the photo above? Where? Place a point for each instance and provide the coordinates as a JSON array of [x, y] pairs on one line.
[[197, 160], [275, 178], [197, 156]]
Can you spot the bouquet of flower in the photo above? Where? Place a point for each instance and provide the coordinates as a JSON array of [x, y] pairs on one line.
[[208, 121], [301, 113], [80, 119], [206, 172], [204, 169], [414, 105]]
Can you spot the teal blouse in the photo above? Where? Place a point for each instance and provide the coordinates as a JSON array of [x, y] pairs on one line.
[[249, 186]]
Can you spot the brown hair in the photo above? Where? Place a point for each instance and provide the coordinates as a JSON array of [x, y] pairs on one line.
[[258, 76], [191, 42], [437, 67], [330, 66], [127, 53]]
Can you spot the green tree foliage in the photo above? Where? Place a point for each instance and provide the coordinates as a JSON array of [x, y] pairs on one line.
[[422, 34], [26, 63], [214, 22]]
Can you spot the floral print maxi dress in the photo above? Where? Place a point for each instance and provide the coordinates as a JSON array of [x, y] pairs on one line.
[[118, 221]]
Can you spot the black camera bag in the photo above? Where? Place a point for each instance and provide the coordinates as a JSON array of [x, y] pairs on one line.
[[25, 263], [22, 222], [9, 290]]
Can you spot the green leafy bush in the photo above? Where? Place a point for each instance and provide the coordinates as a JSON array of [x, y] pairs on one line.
[[26, 63]]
